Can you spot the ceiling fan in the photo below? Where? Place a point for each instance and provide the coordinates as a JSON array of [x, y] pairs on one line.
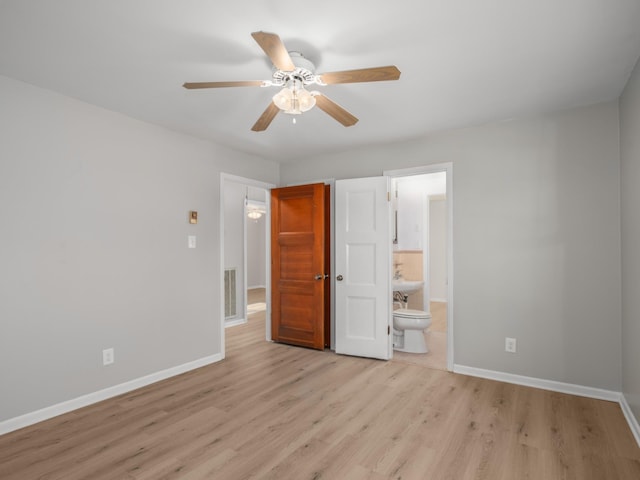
[[292, 73]]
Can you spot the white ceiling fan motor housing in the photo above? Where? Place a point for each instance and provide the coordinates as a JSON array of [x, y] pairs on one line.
[[304, 72]]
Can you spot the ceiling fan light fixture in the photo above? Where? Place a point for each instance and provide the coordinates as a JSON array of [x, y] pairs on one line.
[[306, 101], [255, 209], [294, 99], [294, 72], [283, 99]]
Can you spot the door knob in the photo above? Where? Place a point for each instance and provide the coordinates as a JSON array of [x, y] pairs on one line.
[[339, 278], [319, 276]]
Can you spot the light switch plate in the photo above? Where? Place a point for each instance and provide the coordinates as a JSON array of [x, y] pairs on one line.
[[107, 356], [191, 241]]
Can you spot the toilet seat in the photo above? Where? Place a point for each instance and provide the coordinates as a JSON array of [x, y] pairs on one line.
[[410, 313]]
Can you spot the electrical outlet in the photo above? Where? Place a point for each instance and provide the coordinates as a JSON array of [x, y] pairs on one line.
[[510, 345], [107, 356]]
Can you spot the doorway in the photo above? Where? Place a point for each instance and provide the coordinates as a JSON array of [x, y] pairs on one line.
[[359, 196], [256, 254], [422, 252], [244, 247], [301, 267]]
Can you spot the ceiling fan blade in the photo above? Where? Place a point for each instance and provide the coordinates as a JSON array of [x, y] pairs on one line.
[[266, 118], [336, 111], [249, 83], [275, 50], [376, 74]]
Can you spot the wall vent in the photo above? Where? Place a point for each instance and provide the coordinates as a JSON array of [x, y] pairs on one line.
[[230, 310]]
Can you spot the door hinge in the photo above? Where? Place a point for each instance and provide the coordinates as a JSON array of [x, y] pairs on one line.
[[388, 329], [388, 196]]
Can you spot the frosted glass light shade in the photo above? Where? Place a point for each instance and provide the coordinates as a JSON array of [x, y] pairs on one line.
[[283, 99], [294, 100], [306, 101]]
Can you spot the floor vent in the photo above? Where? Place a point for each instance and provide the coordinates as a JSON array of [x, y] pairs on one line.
[[230, 310]]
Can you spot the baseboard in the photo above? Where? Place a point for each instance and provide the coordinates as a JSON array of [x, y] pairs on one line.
[[560, 387], [91, 398], [552, 385], [234, 322], [631, 418], [256, 286], [439, 300]]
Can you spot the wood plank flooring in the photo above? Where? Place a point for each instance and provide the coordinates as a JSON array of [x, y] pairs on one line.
[[271, 411]]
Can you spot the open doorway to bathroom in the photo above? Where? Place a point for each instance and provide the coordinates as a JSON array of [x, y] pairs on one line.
[[421, 200]]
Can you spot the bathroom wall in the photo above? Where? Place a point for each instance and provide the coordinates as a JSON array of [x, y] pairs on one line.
[[536, 234], [438, 249], [412, 260], [410, 210], [411, 268]]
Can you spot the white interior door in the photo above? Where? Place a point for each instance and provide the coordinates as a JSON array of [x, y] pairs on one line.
[[363, 268]]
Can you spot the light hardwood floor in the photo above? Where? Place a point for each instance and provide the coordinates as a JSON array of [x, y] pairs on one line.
[[270, 411], [256, 295]]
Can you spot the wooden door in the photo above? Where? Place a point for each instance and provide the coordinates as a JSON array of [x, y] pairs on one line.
[[297, 265], [363, 268]]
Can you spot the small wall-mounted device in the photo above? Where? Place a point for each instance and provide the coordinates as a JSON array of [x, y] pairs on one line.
[[193, 216], [510, 345], [107, 356]]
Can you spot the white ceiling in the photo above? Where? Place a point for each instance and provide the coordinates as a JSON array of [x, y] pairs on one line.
[[463, 62]]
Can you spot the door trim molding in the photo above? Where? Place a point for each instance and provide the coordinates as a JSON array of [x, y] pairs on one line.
[[435, 168]]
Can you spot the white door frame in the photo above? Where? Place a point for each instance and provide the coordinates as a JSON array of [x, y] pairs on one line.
[[426, 246], [435, 168], [249, 182]]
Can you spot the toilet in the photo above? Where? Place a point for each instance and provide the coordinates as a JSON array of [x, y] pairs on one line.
[[408, 330]]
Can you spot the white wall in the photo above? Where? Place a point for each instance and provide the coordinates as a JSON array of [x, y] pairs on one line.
[[256, 242], [438, 250], [630, 203], [256, 253], [536, 238], [410, 203], [93, 228], [93, 215]]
